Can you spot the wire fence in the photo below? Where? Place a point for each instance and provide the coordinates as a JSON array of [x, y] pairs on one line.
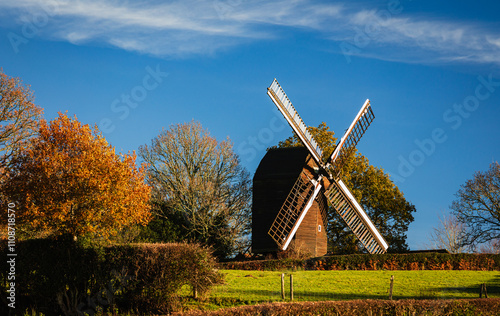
[[266, 286]]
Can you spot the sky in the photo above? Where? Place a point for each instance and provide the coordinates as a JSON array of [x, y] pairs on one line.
[[430, 69]]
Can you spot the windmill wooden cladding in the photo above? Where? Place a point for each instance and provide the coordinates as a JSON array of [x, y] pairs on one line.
[[278, 171], [309, 236]]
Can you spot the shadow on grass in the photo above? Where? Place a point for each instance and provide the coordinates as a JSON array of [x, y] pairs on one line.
[[247, 296], [269, 295], [492, 288]]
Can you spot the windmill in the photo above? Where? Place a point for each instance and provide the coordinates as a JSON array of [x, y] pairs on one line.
[[305, 182]]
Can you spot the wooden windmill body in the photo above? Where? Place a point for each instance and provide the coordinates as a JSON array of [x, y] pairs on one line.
[[275, 177], [292, 187]]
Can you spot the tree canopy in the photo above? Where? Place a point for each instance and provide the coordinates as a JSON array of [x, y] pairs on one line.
[[200, 191], [478, 206], [19, 117], [69, 181], [378, 195]]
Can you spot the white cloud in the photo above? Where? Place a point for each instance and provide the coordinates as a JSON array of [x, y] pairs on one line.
[[184, 27], [494, 41], [421, 39]]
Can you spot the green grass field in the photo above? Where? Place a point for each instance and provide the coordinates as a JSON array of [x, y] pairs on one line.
[[249, 287]]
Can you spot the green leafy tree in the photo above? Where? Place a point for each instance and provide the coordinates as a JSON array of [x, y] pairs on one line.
[[379, 196], [200, 192]]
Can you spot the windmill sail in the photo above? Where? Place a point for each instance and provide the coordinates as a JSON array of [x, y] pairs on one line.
[[355, 217], [352, 136], [286, 108], [305, 190], [293, 210]]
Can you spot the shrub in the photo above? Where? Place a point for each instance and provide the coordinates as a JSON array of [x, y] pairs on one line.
[[412, 261], [265, 265], [470, 307], [158, 271], [59, 276], [54, 274]]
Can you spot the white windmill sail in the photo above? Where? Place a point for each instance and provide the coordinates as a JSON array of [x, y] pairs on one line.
[[355, 217], [351, 137], [286, 108], [306, 189]]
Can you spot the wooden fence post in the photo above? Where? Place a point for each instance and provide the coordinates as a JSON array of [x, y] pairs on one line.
[[291, 287], [195, 286], [390, 287], [283, 286], [483, 291]]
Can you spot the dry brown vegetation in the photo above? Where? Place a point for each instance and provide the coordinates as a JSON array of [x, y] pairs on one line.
[[366, 307]]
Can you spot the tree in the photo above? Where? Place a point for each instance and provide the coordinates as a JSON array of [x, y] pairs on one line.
[[478, 206], [19, 117], [492, 246], [372, 187], [448, 235], [69, 181], [199, 188]]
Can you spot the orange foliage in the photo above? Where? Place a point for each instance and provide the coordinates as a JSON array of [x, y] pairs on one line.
[[414, 266], [70, 181], [391, 264]]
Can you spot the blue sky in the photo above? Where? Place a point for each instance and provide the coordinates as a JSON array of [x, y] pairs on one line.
[[431, 70]]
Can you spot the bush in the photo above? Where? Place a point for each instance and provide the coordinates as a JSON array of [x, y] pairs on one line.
[[265, 265], [412, 261], [156, 273], [53, 274], [59, 276], [470, 307]]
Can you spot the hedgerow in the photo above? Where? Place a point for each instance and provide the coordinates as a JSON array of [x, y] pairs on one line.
[[471, 307], [157, 272], [60, 276], [412, 261]]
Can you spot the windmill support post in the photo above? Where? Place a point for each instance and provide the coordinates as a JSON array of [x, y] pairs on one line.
[[291, 287]]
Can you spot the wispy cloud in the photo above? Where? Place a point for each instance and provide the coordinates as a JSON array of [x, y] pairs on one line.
[[433, 39], [185, 27]]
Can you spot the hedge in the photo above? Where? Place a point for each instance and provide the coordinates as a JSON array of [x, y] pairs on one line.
[[156, 273], [412, 261], [59, 276], [470, 307]]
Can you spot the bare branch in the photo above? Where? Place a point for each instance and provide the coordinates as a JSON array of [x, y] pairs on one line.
[[200, 179], [478, 205], [448, 235]]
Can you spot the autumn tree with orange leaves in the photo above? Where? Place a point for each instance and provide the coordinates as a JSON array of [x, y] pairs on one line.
[[69, 181]]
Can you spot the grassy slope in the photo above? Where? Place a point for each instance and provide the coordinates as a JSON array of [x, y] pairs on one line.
[[248, 287]]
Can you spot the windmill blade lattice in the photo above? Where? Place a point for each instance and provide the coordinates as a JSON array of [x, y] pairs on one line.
[[352, 136], [280, 99], [293, 210], [355, 217], [306, 189]]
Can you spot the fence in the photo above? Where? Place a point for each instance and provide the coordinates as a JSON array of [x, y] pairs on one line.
[[275, 286]]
